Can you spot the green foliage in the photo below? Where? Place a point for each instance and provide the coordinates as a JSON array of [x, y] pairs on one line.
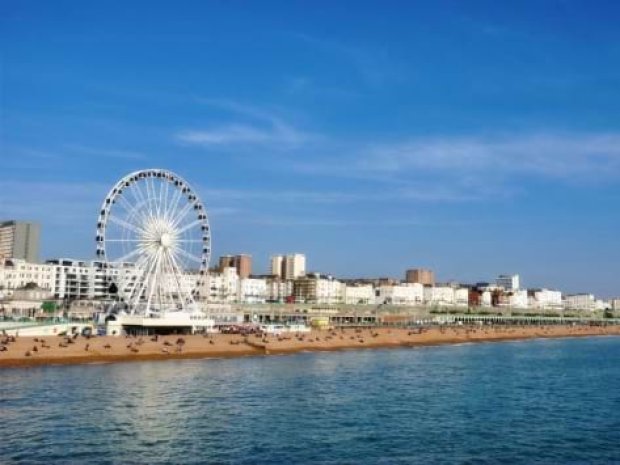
[[49, 307]]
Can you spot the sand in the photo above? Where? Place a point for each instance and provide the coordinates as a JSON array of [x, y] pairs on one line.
[[30, 351]]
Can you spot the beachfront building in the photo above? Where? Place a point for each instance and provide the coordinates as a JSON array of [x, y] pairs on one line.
[[252, 291], [222, 314], [439, 295], [17, 273], [580, 302], [615, 304], [545, 299], [361, 294], [508, 282], [77, 280], [222, 287], [461, 297], [486, 298], [25, 302], [400, 294], [278, 289], [600, 304], [518, 299], [318, 288]]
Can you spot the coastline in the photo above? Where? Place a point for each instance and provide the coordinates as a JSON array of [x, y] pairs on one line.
[[133, 349]]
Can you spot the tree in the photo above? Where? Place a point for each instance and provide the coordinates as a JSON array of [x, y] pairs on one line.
[[48, 307]]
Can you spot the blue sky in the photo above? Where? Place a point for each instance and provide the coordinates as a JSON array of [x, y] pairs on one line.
[[474, 138]]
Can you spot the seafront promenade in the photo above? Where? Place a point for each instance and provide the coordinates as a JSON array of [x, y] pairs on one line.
[[32, 351]]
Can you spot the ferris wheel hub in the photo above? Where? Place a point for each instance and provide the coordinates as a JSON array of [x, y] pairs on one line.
[[166, 241]]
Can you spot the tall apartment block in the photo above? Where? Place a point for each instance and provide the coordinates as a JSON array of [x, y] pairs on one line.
[[510, 282], [421, 276], [242, 263], [275, 267], [19, 239], [288, 266]]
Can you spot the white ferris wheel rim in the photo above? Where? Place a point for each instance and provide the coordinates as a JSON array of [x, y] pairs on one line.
[[159, 226]]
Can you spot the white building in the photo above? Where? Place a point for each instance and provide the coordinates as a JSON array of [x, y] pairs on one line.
[[508, 282], [16, 273], [545, 299], [518, 299], [25, 302], [439, 295], [461, 297], [320, 289], [279, 290], [359, 294], [486, 298], [615, 304], [401, 294], [294, 266], [79, 280], [275, 266], [288, 266], [222, 287], [580, 302], [252, 291]]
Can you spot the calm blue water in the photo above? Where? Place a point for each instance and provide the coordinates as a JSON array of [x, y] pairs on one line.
[[547, 401]]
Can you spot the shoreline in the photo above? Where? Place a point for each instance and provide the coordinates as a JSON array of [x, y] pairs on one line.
[[52, 351]]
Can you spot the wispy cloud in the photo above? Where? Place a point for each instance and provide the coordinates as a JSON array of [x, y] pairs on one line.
[[104, 152], [445, 168], [258, 127], [281, 196], [373, 64], [566, 156], [411, 192], [450, 159], [50, 201]]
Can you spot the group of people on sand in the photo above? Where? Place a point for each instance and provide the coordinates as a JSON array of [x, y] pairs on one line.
[[77, 346]]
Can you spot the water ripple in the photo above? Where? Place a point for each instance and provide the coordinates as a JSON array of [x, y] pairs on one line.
[[542, 402]]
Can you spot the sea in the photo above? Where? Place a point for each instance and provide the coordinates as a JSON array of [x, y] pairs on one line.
[[552, 401]]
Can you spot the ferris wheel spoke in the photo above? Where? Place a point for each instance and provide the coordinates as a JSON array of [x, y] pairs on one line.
[[131, 208], [165, 204], [162, 183], [125, 224], [175, 277], [144, 281], [189, 226], [184, 211], [155, 279], [137, 193], [142, 205], [182, 294], [149, 195], [155, 197], [176, 196], [124, 240], [186, 255], [126, 257], [138, 276]]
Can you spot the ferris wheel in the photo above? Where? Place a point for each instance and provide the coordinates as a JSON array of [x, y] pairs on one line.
[[153, 235]]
